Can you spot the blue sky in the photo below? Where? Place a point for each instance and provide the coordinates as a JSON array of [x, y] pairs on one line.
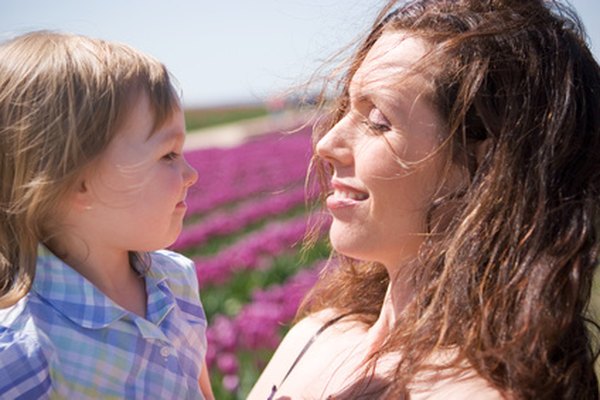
[[223, 51]]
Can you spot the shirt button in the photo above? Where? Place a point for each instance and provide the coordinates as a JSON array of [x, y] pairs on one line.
[[165, 352]]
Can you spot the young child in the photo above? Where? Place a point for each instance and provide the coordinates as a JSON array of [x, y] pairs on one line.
[[92, 183]]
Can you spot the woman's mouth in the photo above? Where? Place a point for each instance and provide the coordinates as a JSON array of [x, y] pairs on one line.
[[343, 197]]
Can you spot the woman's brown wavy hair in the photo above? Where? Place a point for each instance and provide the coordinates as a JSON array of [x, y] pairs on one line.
[[506, 286]]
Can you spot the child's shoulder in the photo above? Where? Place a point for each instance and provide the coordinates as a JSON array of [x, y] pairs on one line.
[[24, 353], [177, 269], [18, 324], [171, 264], [170, 258], [15, 315]]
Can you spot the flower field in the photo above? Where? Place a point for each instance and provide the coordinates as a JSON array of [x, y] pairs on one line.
[[244, 227]]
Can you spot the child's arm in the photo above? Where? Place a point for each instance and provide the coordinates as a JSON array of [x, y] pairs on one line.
[[204, 382]]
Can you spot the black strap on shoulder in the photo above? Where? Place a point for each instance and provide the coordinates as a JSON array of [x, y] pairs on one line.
[[304, 349]]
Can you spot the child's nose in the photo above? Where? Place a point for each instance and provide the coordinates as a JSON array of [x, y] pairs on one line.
[[190, 175]]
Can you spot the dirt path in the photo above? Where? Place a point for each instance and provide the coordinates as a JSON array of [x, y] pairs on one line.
[[230, 135]]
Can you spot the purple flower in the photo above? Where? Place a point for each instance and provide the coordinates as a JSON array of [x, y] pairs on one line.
[[223, 334], [231, 382], [258, 324], [251, 251], [227, 363]]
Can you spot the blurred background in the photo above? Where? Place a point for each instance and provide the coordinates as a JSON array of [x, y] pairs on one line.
[[241, 66], [223, 52]]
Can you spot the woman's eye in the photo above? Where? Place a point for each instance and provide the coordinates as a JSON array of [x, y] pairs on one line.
[[377, 121], [171, 156]]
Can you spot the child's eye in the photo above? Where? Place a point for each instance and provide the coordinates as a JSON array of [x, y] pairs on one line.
[[377, 121], [171, 156]]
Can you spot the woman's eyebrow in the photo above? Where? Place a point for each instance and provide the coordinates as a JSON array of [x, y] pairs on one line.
[[374, 96]]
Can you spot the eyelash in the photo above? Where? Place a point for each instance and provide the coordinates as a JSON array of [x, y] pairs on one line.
[[379, 128], [171, 156]]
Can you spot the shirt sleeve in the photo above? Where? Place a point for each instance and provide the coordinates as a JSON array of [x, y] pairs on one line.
[[24, 369]]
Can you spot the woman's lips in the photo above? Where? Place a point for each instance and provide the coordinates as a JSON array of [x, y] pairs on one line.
[[345, 196]]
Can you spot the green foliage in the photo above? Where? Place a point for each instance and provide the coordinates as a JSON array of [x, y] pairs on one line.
[[207, 117]]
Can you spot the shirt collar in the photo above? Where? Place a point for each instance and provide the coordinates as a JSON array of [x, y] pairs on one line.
[[71, 294], [83, 303], [160, 298]]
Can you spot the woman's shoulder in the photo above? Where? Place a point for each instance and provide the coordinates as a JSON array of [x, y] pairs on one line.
[[464, 384], [311, 323], [292, 345], [469, 386], [305, 329], [300, 334]]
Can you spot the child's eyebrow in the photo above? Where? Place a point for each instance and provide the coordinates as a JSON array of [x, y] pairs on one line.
[[168, 137]]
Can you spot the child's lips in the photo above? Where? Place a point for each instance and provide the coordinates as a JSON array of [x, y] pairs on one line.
[[182, 203]]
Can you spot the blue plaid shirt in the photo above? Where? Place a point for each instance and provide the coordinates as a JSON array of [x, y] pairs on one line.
[[66, 339]]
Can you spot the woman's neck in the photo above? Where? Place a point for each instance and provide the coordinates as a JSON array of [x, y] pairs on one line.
[[398, 295]]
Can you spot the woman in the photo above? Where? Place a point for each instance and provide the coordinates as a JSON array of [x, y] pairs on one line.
[[460, 168]]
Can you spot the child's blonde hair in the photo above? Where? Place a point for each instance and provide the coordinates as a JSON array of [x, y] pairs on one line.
[[62, 98]]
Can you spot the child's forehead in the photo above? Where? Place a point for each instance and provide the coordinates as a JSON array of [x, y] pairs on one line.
[[168, 130], [141, 102], [148, 120], [167, 133]]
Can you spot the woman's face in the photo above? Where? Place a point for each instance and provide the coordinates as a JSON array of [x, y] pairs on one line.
[[386, 156]]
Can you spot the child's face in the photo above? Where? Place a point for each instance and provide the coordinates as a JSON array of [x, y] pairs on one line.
[[135, 196]]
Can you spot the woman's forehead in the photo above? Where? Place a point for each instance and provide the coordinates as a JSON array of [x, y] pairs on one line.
[[392, 63]]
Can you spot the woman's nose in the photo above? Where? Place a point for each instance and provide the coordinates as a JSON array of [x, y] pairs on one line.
[[336, 145]]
